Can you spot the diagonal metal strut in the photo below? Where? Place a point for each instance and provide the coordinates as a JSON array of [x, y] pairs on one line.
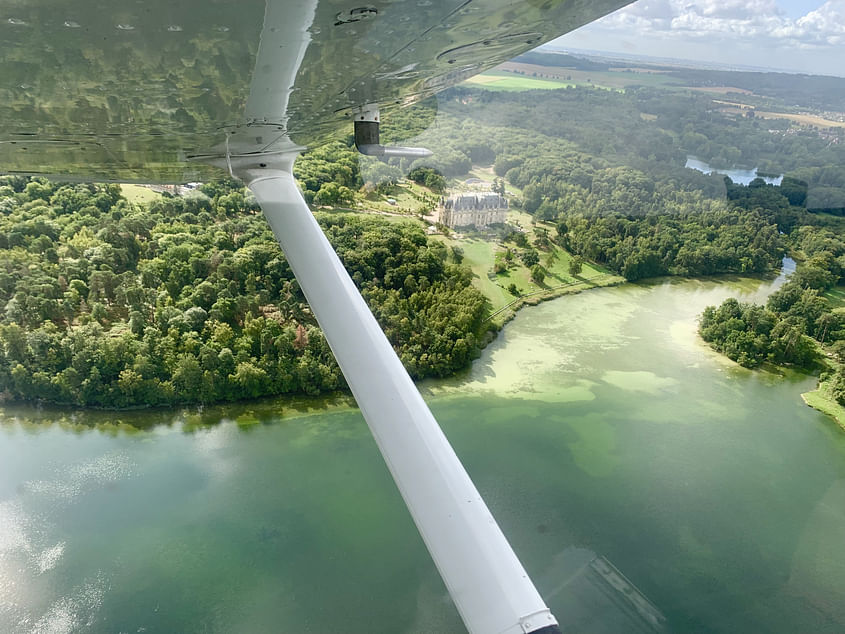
[[487, 582]]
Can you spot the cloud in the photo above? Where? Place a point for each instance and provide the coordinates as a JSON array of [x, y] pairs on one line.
[[758, 22], [824, 26]]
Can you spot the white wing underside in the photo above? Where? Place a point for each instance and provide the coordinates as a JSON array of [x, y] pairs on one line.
[[129, 91], [123, 92], [485, 579]]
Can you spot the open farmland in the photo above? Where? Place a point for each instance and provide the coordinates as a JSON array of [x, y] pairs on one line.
[[617, 80], [496, 80], [720, 90], [802, 119]]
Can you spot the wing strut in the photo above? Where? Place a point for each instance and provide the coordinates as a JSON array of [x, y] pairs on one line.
[[483, 575]]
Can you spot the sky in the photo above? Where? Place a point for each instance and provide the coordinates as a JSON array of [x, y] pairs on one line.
[[798, 35]]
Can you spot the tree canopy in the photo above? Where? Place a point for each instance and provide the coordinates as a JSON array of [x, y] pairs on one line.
[[111, 304]]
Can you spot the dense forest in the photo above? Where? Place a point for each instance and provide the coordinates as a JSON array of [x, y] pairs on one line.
[[614, 183], [647, 128], [797, 326], [608, 171], [791, 89], [191, 300], [188, 299], [786, 89]]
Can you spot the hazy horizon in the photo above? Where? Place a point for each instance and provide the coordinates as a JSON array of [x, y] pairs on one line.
[[798, 36], [682, 62]]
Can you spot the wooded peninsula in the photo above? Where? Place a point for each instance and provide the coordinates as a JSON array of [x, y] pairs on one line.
[[113, 301]]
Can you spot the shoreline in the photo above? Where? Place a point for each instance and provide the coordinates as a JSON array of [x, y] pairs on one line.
[[244, 413], [509, 311], [821, 401], [256, 411]]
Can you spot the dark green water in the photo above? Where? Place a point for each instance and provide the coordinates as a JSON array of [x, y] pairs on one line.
[[597, 428]]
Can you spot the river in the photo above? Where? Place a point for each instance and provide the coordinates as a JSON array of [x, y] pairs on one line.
[[738, 176], [647, 484]]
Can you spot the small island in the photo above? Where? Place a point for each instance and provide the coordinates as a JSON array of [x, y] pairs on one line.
[[802, 325]]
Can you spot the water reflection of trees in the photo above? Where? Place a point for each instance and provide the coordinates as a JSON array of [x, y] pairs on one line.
[[129, 91]]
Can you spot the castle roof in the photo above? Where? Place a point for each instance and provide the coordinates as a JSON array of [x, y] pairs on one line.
[[475, 201]]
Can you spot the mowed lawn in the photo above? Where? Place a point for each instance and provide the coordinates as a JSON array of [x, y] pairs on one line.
[[512, 82], [408, 196], [479, 256], [139, 194], [836, 297], [555, 268]]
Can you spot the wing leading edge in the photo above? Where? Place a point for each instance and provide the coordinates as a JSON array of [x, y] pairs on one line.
[[169, 103], [131, 91]]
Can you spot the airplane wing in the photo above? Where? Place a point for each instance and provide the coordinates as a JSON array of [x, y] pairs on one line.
[[136, 91], [159, 91]]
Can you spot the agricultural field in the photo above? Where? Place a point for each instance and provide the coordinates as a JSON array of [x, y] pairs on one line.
[[138, 193], [802, 119], [498, 80], [720, 90], [610, 79], [517, 76]]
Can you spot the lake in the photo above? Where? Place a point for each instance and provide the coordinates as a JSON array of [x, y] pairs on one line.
[[647, 484], [738, 176]]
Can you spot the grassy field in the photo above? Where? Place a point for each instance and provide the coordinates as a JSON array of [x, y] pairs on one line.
[[558, 270], [802, 119], [383, 215], [720, 90], [836, 297], [479, 256], [612, 79], [822, 400], [497, 80], [522, 220], [486, 174], [482, 255], [835, 223], [409, 197], [139, 194]]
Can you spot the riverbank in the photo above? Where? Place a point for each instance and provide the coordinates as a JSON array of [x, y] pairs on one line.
[[597, 428], [822, 400], [259, 411], [509, 311], [187, 418]]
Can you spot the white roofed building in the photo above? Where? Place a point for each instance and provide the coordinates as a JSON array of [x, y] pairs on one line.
[[475, 208]]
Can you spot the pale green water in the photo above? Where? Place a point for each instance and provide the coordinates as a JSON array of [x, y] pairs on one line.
[[597, 425]]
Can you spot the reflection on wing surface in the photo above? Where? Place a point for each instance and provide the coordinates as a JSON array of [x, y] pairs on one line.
[[130, 91]]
